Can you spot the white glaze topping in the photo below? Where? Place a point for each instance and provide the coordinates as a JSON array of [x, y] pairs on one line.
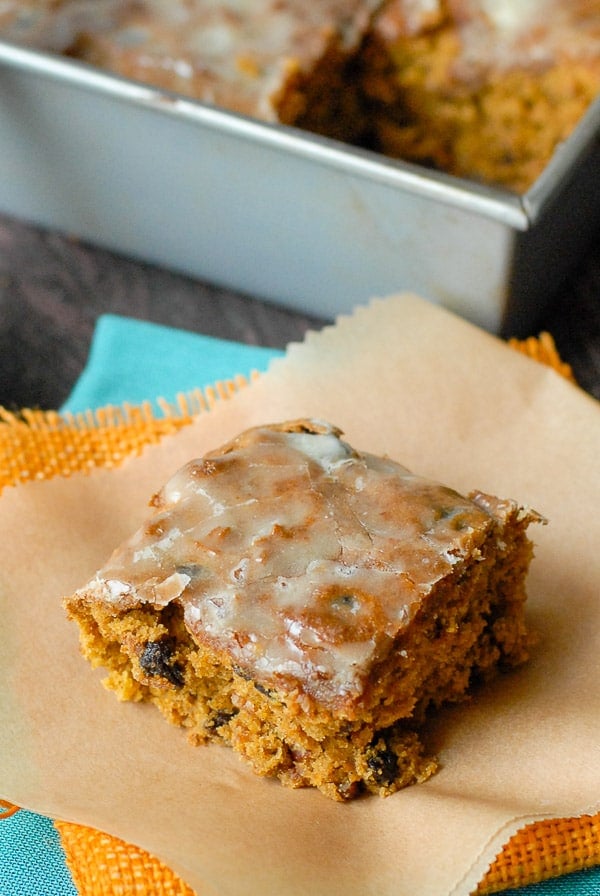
[[296, 555], [55, 25], [498, 35], [237, 54], [240, 54]]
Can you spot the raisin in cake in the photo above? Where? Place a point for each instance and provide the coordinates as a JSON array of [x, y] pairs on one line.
[[309, 605]]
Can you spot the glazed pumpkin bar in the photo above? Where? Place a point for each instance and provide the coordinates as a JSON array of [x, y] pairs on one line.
[[310, 605], [482, 89]]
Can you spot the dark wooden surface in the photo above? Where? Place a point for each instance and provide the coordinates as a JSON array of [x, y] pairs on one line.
[[53, 288]]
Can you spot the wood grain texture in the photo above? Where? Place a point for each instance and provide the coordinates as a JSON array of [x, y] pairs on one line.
[[53, 288]]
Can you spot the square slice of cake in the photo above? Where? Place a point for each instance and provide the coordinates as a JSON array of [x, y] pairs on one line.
[[309, 604]]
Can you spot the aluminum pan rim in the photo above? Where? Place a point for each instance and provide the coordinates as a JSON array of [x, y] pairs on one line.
[[518, 212]]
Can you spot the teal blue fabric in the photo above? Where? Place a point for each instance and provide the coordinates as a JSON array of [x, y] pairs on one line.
[[134, 361], [31, 858], [583, 883]]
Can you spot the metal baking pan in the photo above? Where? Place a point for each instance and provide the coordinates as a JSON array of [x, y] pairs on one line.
[[273, 212]]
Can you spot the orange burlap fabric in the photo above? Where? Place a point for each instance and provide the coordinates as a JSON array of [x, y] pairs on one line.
[[38, 445]]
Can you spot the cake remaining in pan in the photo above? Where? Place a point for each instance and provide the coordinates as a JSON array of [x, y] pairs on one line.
[[309, 605], [482, 89], [281, 61]]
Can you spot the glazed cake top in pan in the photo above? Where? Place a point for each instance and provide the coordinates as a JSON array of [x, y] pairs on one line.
[[497, 35], [238, 54], [296, 555]]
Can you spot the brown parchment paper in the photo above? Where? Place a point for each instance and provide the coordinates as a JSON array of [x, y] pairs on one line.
[[401, 377]]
